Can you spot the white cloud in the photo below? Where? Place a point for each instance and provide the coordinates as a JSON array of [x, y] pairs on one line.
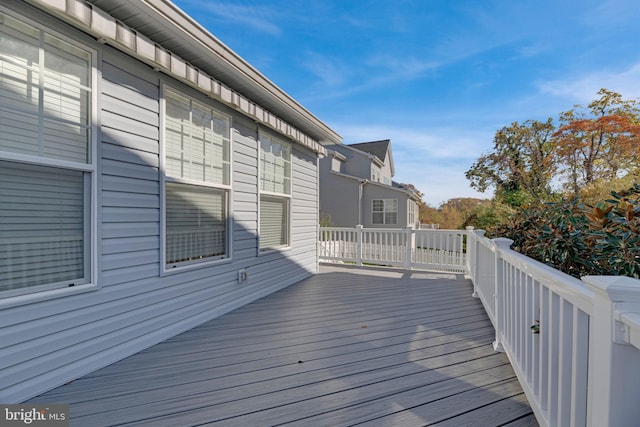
[[259, 18], [582, 89]]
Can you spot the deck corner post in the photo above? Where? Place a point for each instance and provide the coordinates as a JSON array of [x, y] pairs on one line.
[[501, 244], [359, 233], [614, 380]]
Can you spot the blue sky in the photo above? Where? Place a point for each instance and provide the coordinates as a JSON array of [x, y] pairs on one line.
[[437, 77]]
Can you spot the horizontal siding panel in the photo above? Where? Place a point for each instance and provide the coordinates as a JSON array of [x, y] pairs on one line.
[[129, 185], [249, 160], [244, 254], [118, 199], [243, 206], [116, 121], [241, 169], [116, 229], [301, 173], [117, 105], [130, 244], [130, 259], [250, 188], [128, 155], [242, 197], [302, 210], [245, 181], [129, 275], [241, 233], [239, 245], [125, 139], [130, 95], [114, 70], [128, 214], [304, 187], [129, 170]]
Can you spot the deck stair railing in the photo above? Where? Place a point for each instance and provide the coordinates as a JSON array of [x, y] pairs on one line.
[[574, 344]]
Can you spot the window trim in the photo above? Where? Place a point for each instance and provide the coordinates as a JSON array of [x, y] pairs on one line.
[[384, 211], [90, 170], [274, 195], [166, 269]]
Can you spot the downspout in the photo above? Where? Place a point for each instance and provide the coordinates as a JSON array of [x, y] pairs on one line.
[[360, 197]]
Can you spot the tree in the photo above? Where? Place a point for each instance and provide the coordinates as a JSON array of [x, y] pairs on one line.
[[600, 141], [521, 165], [454, 212]]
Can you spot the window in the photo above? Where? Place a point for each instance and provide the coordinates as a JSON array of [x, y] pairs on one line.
[[385, 211], [275, 192], [336, 164], [412, 213], [196, 181], [46, 162], [375, 173]]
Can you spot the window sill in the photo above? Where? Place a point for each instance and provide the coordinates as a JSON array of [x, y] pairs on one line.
[[269, 251], [194, 265], [42, 296]]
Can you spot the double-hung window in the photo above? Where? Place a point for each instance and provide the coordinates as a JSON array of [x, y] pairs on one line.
[[384, 211], [275, 192], [412, 212], [196, 181], [46, 161]]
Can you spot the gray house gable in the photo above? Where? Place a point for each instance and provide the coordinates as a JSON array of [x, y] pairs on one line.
[[356, 187], [380, 149]]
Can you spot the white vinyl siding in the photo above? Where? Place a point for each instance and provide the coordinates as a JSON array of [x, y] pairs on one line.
[[197, 175], [384, 211], [275, 192], [46, 167]]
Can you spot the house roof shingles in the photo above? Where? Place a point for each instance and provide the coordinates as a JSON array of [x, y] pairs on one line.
[[376, 148]]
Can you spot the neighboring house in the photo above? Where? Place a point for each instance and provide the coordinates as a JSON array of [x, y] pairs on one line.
[[357, 187], [150, 180]]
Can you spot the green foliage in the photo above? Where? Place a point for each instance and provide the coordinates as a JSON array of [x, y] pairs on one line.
[[489, 214], [578, 239], [326, 220]]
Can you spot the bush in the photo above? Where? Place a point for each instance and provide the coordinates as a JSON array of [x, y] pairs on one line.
[[579, 239]]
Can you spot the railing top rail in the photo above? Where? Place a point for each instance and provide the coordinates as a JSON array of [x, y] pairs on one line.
[[568, 287], [338, 228]]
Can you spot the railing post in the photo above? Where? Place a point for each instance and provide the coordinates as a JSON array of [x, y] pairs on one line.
[[359, 233], [614, 377], [409, 248], [471, 260], [499, 285]]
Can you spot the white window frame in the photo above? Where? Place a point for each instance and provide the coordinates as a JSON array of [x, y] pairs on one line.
[[387, 204], [89, 282], [285, 196], [176, 267], [412, 213]]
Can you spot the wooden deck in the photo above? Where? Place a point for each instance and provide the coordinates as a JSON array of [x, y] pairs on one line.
[[345, 347]]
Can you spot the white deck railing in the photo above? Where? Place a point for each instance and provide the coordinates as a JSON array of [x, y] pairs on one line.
[[441, 250], [574, 344]]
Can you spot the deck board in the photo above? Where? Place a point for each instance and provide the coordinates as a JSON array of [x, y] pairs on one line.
[[345, 347]]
